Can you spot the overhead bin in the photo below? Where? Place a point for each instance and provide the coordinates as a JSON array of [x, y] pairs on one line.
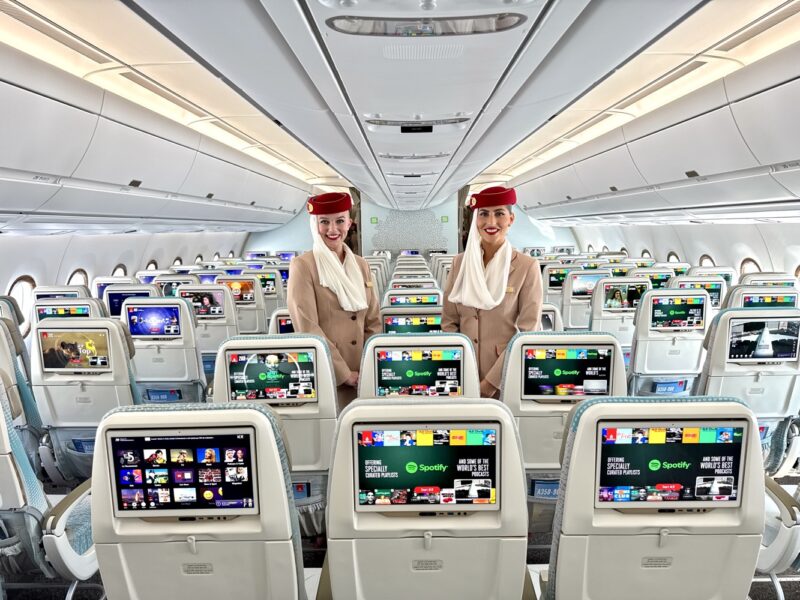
[[24, 196], [88, 201], [210, 175], [268, 193], [561, 185], [612, 169], [726, 191]]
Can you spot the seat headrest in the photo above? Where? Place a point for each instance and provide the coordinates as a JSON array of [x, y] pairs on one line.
[[13, 335], [14, 306], [14, 401]]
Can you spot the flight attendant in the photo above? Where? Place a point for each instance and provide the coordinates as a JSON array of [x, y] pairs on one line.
[[330, 291], [493, 291]]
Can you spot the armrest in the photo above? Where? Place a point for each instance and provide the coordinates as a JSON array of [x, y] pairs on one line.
[[57, 518], [789, 507]]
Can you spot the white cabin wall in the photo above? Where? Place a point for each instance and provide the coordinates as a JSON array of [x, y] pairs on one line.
[[294, 235], [50, 260], [419, 229], [775, 247], [526, 232]]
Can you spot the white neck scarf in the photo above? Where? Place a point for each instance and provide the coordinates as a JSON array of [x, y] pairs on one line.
[[344, 280], [478, 287]]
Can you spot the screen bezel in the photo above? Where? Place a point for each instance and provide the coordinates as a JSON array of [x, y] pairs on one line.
[[758, 360], [575, 276], [410, 347], [273, 401], [389, 316], [662, 329], [548, 286], [630, 309], [553, 398], [200, 512], [67, 371], [428, 508], [229, 284], [155, 337], [650, 423], [204, 317]]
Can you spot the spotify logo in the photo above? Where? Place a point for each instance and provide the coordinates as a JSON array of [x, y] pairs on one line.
[[409, 373], [262, 376], [557, 372], [411, 467], [654, 465]]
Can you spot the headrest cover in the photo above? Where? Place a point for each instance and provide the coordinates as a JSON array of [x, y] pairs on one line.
[[14, 335], [328, 204], [493, 196]]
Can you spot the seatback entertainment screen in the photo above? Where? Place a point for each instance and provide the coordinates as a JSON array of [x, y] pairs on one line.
[[151, 321], [207, 305], [427, 467], [767, 300], [583, 283], [277, 375], [619, 297], [683, 463], [416, 371], [242, 291], [115, 300], [49, 312], [557, 372], [660, 280], [412, 323], [163, 473], [285, 325], [556, 277], [673, 313], [714, 289], [74, 350], [763, 340], [620, 270], [267, 283], [404, 299], [169, 288]]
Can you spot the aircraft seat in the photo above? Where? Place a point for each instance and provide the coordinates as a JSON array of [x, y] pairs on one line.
[[760, 296], [168, 364], [780, 543], [275, 295], [416, 297], [116, 293], [410, 319], [701, 533], [715, 285], [9, 309], [448, 359], [551, 318], [576, 297], [753, 355], [247, 535], [280, 321], [553, 277], [613, 306], [420, 282], [293, 374], [540, 394], [251, 309], [777, 279], [667, 352], [434, 527], [44, 292], [69, 308], [729, 274], [83, 369], [99, 284], [54, 539]]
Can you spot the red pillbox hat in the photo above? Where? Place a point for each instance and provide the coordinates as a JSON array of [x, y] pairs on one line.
[[493, 196], [330, 203]]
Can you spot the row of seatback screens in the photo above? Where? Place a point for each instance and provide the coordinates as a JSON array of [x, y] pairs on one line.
[[422, 467]]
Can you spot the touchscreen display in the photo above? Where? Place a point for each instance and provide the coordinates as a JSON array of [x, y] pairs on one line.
[[273, 375], [406, 285], [763, 340], [409, 252], [427, 467], [286, 255], [583, 283], [620, 271], [267, 282], [148, 321], [284, 274], [256, 254], [774, 283], [556, 277], [233, 270], [101, 288], [54, 295], [409, 371], [169, 288], [659, 280], [640, 463], [185, 472], [558, 371], [403, 299], [680, 269], [769, 300], [207, 305], [255, 266], [412, 324], [115, 300], [71, 350], [548, 320], [49, 312], [207, 277], [672, 313], [241, 290], [622, 296], [285, 325], [714, 289], [644, 263], [146, 279]]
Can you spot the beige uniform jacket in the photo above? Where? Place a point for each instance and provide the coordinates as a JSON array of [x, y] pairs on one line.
[[315, 309], [491, 330]]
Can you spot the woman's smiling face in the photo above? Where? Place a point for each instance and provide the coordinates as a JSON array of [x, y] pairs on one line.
[[493, 223], [333, 229]]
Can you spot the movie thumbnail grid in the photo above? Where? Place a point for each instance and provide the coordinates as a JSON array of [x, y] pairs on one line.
[[710, 488], [672, 435], [162, 477], [428, 437]]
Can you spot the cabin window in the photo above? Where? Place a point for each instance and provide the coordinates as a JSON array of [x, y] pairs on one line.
[[78, 277], [151, 266], [230, 254], [198, 259], [749, 266], [22, 291], [624, 250], [605, 249], [797, 271], [590, 248], [177, 262], [672, 257], [707, 261], [646, 253], [216, 255], [119, 271]]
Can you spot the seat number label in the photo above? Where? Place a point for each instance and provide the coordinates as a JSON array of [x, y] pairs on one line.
[[427, 565]]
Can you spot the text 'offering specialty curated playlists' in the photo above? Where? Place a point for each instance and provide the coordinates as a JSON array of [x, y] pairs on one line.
[[566, 371], [652, 462], [419, 371], [273, 375], [443, 465]]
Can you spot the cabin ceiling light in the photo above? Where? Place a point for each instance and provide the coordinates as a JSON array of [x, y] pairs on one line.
[[738, 40], [44, 39], [426, 26]]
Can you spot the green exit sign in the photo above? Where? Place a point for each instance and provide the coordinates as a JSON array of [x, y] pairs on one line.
[[373, 220], [445, 219]]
